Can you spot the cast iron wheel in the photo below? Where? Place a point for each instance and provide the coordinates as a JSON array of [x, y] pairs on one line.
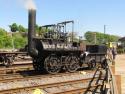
[[37, 64], [104, 63], [8, 61], [72, 63], [92, 64], [52, 65]]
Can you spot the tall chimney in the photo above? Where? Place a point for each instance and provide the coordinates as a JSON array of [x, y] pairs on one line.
[[31, 32]]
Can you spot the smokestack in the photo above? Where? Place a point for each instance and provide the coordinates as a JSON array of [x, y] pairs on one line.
[[31, 32]]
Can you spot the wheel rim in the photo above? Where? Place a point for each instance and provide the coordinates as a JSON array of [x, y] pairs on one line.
[[52, 65], [8, 61], [72, 64]]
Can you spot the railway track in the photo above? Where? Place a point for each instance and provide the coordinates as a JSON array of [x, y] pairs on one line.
[[63, 83]]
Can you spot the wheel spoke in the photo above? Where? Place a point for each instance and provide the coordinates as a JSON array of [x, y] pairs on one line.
[[73, 64], [8, 61], [52, 65]]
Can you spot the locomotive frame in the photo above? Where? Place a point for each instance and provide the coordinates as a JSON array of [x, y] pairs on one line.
[[56, 51]]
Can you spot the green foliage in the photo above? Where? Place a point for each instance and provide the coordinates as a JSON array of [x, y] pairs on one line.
[[21, 28], [37, 28], [2, 32], [100, 38], [19, 40], [2, 37], [89, 37], [7, 42], [13, 27], [7, 37]]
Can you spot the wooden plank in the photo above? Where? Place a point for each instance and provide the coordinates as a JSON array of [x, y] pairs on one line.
[[118, 83]]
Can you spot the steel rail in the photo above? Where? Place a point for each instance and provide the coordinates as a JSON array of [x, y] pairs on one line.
[[31, 74], [18, 77], [85, 81], [65, 81], [78, 91]]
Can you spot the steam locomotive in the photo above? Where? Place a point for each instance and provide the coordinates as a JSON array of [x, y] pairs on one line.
[[55, 50]]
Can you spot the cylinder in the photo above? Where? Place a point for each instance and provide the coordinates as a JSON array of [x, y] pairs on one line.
[[31, 32]]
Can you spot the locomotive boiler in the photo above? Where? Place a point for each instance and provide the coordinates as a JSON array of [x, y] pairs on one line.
[[56, 50]]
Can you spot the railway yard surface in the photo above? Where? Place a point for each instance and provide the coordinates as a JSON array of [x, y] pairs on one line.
[[20, 78], [120, 70]]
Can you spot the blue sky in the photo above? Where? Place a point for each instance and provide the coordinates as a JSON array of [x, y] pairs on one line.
[[89, 15]]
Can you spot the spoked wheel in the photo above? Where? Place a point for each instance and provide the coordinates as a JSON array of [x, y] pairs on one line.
[[72, 63], [8, 61], [37, 64], [104, 63], [52, 65], [92, 64]]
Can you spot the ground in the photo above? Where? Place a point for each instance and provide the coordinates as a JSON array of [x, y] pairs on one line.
[[120, 70], [120, 64]]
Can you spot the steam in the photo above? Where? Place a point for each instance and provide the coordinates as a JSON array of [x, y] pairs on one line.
[[29, 4]]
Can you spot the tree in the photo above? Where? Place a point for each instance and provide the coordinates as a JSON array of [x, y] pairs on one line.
[[7, 42], [100, 37], [89, 37], [21, 28], [2, 37], [37, 28], [20, 40], [6, 39], [2, 32], [13, 27]]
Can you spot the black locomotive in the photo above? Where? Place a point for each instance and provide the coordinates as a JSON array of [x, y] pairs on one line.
[[55, 50]]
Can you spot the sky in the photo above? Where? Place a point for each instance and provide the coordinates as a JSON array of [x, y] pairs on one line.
[[89, 15]]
